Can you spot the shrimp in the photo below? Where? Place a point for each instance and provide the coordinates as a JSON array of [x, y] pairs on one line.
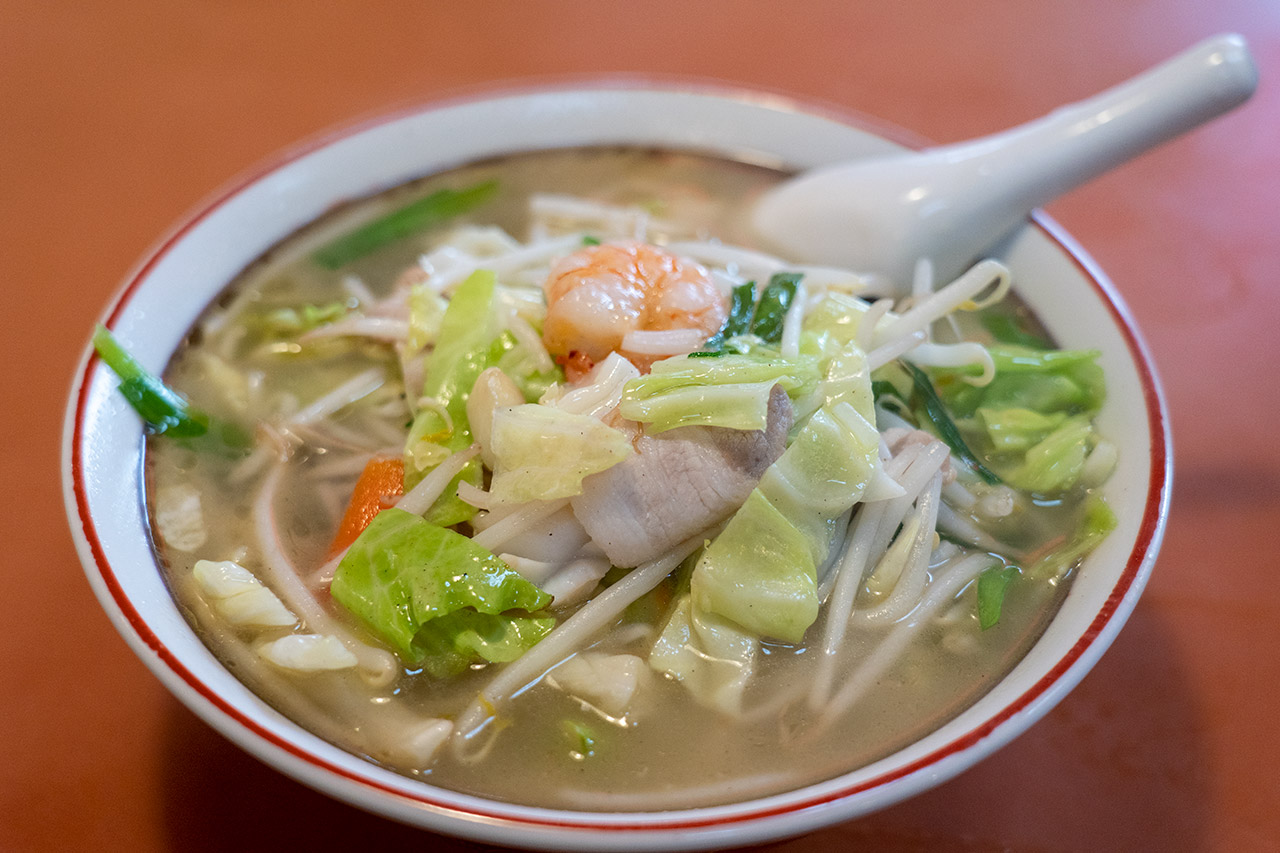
[[596, 296]]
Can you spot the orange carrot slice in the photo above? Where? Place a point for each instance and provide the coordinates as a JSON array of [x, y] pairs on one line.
[[381, 482]]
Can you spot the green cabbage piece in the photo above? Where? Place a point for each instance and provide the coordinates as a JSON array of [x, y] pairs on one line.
[[1053, 465], [290, 321], [426, 314], [712, 657], [543, 453], [436, 597], [992, 585], [759, 573], [1044, 381], [731, 390], [1018, 430], [823, 473], [461, 352]]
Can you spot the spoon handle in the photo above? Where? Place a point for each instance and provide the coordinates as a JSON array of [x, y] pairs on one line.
[[1031, 164]]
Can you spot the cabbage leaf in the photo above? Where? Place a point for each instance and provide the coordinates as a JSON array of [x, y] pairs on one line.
[[731, 390], [712, 657], [436, 597], [543, 453], [759, 573], [462, 351]]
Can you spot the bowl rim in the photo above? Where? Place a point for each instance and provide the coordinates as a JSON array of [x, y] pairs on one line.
[[497, 821]]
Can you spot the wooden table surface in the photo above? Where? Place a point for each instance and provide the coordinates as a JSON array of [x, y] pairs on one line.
[[116, 118]]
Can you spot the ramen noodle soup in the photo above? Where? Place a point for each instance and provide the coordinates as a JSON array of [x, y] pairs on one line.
[[542, 480]]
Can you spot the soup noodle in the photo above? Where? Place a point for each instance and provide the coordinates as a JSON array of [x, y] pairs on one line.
[[540, 480]]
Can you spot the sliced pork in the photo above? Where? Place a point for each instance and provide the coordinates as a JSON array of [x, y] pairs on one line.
[[678, 483]]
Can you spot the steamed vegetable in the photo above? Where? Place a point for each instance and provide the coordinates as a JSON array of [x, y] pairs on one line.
[[729, 391], [943, 424], [423, 213], [762, 319], [461, 352], [161, 408], [436, 597], [759, 573], [992, 585], [543, 453], [711, 656], [380, 483]]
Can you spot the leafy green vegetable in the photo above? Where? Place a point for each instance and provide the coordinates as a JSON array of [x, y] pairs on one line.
[[451, 643], [462, 351], [1017, 430], [426, 313], [759, 573], [1051, 381], [730, 391], [992, 585], [771, 310], [742, 304], [522, 367], [291, 321], [425, 212], [1053, 465], [161, 408], [762, 319], [711, 656], [1006, 329], [944, 425], [581, 738], [543, 453], [436, 597]]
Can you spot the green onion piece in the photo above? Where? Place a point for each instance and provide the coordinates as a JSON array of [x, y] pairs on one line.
[[945, 426], [588, 240], [581, 737], [774, 302], [423, 213], [992, 585], [161, 408]]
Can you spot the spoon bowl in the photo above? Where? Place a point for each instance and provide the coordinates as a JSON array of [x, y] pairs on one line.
[[948, 205]]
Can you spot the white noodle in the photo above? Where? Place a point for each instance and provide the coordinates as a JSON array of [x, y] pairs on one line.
[[921, 316], [499, 533], [957, 355], [895, 348], [913, 576], [386, 329], [663, 342], [870, 321], [359, 386], [948, 583]]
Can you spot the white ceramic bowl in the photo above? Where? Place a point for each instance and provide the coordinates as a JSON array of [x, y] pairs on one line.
[[102, 451]]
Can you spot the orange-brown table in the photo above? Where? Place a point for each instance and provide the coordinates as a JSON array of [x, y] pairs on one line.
[[115, 118]]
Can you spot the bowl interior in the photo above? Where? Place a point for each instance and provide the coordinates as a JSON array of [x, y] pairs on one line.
[[166, 293]]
